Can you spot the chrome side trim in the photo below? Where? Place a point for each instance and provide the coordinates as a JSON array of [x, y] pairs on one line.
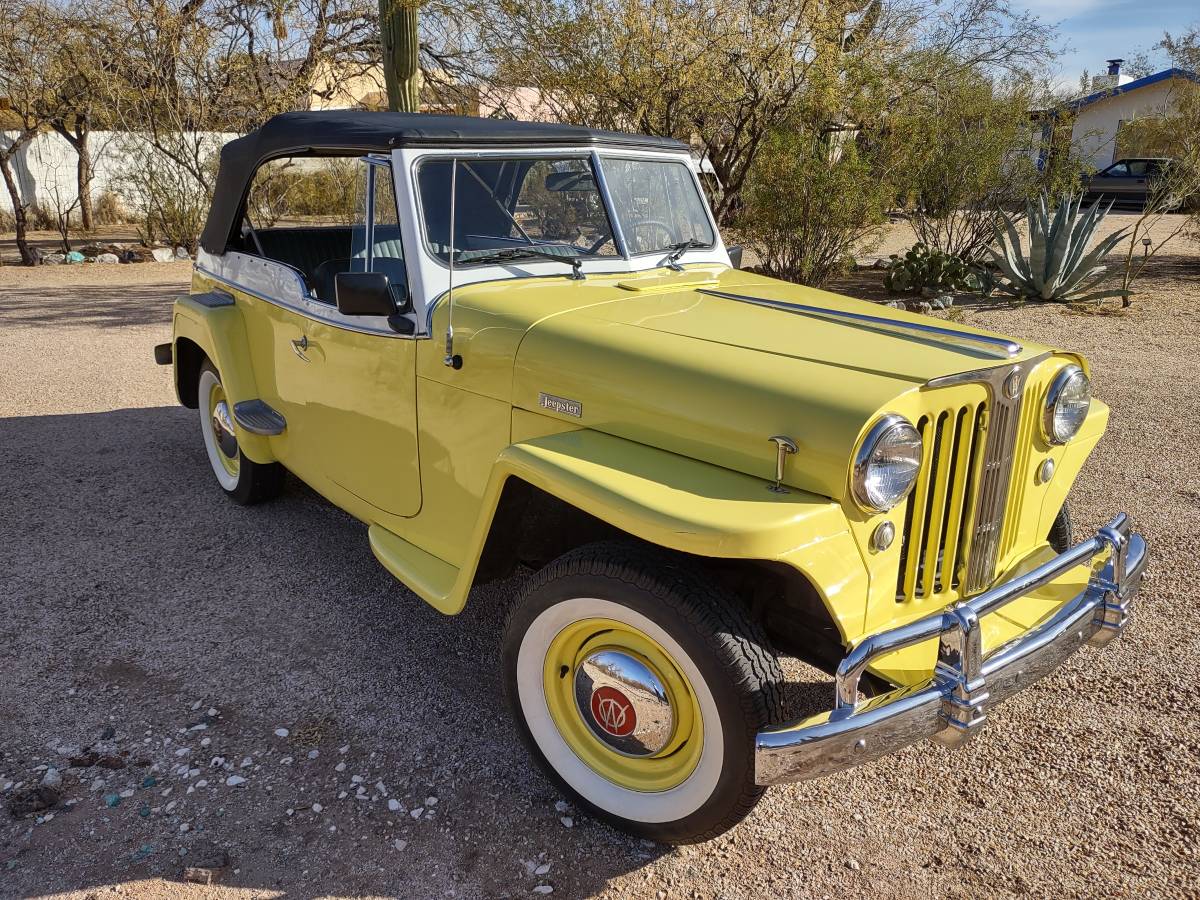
[[257, 417], [1000, 347], [950, 707], [307, 310], [212, 299]]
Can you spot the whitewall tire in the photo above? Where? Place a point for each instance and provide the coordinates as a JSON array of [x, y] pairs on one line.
[[639, 685], [243, 480]]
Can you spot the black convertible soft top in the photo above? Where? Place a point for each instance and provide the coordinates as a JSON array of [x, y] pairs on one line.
[[352, 132]]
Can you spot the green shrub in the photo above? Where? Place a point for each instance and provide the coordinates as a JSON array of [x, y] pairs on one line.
[[809, 204]]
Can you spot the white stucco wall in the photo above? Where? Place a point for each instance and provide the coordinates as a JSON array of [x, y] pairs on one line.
[[1095, 130], [45, 167]]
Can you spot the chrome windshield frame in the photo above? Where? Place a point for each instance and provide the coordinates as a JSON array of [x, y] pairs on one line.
[[606, 198], [586, 155], [626, 156]]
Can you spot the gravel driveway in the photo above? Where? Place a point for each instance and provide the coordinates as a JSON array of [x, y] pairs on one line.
[[249, 688]]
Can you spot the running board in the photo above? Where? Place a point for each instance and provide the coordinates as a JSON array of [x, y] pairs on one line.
[[433, 580], [258, 418]]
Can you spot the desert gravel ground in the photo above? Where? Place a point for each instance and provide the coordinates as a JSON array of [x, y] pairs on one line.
[[267, 692]]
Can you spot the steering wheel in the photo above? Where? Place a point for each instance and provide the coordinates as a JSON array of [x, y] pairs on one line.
[[604, 239], [648, 227]]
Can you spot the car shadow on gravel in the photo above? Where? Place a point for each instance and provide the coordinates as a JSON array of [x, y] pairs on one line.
[[101, 305], [139, 597]]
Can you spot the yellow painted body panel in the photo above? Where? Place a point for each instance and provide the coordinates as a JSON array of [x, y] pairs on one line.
[[662, 498], [222, 335], [679, 393], [360, 414]]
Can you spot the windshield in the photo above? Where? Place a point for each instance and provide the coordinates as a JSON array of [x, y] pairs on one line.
[[549, 205], [657, 204]]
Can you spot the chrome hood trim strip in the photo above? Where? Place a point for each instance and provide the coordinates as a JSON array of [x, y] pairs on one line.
[[1002, 348]]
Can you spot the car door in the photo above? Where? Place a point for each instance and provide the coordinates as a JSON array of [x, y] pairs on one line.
[[1138, 184], [360, 380], [1113, 184]]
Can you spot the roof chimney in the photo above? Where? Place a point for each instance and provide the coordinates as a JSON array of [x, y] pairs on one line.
[[1114, 67]]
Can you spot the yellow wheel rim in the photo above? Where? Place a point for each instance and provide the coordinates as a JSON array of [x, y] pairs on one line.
[[217, 403], [660, 771]]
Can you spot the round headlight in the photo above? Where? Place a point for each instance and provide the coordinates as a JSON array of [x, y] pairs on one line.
[[1067, 404], [886, 465]]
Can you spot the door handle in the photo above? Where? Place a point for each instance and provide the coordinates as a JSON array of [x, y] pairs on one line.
[[299, 346]]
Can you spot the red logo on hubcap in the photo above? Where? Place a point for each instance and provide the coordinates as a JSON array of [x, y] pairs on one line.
[[613, 712]]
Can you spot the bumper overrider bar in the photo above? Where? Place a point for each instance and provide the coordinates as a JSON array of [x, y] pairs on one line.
[[949, 708]]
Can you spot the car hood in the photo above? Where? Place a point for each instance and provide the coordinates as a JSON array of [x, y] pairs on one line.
[[663, 363]]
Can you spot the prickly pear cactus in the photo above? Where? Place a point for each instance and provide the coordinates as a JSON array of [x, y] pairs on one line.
[[928, 269]]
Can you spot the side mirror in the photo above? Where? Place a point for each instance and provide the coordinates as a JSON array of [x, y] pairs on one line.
[[735, 255], [363, 294]]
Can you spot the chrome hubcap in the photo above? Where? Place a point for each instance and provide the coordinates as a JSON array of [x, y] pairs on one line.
[[624, 703], [223, 430]]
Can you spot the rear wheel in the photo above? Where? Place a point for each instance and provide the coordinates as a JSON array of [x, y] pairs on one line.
[[242, 479], [640, 686]]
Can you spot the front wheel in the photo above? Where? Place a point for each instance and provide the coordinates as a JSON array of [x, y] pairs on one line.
[[243, 480], [639, 685]]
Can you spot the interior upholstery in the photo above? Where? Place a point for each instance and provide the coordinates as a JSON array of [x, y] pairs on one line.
[[320, 253], [324, 284], [305, 248]]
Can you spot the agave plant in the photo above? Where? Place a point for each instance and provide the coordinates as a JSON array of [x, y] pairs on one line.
[[1059, 265]]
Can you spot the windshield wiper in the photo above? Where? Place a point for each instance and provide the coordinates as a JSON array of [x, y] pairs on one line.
[[677, 251], [501, 254]]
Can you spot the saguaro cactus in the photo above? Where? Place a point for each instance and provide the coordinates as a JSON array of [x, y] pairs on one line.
[[401, 53]]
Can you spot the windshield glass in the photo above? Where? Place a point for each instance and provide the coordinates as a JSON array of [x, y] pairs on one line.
[[657, 204], [510, 204]]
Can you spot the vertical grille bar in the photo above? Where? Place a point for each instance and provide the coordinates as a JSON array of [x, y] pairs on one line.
[[915, 517], [943, 448], [959, 518], [1022, 469], [964, 457], [932, 540], [999, 440]]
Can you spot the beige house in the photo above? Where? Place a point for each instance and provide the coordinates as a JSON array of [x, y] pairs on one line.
[[363, 87], [346, 87], [1096, 120]]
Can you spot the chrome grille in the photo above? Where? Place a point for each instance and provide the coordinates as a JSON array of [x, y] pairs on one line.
[[1023, 457], [1000, 432], [955, 516], [934, 547]]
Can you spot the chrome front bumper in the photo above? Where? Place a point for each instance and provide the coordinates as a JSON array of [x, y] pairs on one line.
[[949, 708]]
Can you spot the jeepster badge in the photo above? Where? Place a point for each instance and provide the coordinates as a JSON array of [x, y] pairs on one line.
[[560, 405]]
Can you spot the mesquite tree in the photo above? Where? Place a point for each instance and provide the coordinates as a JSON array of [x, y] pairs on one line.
[[398, 21], [25, 36]]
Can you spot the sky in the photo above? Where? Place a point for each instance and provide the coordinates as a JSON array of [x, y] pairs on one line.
[[1097, 30]]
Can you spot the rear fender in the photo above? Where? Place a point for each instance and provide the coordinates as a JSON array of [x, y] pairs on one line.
[[213, 322]]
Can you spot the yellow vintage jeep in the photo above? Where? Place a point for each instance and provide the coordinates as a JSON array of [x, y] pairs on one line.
[[527, 345]]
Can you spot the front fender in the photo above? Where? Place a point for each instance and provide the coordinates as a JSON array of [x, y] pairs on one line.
[[213, 322], [674, 502]]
